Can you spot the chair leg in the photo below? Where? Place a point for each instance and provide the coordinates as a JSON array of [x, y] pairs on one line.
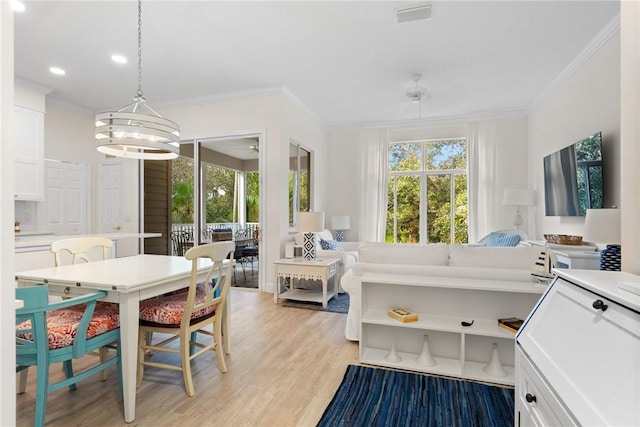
[[119, 367], [141, 350], [192, 339], [217, 336], [102, 351], [42, 386], [186, 364], [22, 380], [68, 373]]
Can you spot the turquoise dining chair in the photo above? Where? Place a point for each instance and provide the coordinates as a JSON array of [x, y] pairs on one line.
[[47, 333]]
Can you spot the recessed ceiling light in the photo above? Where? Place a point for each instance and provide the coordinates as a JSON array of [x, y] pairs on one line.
[[57, 71], [17, 6], [118, 59]]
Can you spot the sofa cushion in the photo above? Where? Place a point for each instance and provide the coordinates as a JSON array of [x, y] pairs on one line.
[[404, 253], [330, 245], [521, 257], [503, 239]]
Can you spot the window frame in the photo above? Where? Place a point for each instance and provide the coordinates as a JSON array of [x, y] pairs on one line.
[[423, 173]]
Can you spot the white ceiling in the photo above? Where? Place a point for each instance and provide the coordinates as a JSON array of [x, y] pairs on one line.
[[349, 63]]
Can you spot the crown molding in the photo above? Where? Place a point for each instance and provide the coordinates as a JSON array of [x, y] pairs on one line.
[[435, 120], [612, 28]]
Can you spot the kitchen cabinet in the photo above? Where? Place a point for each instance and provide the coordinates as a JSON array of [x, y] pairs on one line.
[[28, 157]]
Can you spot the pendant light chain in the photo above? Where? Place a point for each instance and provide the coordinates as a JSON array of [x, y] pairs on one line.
[[137, 131], [140, 49]]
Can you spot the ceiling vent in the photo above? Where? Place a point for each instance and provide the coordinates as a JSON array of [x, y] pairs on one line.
[[413, 13]]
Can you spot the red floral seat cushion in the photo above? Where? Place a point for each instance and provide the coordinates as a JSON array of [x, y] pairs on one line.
[[62, 324], [168, 309]]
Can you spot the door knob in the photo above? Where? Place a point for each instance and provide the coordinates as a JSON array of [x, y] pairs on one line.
[[530, 398]]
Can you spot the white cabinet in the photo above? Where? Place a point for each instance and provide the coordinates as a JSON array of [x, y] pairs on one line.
[[578, 352], [28, 159], [442, 304]]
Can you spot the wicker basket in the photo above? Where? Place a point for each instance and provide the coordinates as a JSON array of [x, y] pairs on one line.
[[563, 239]]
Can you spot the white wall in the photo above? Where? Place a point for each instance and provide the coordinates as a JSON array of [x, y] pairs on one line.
[[7, 292], [630, 135], [586, 103], [343, 177]]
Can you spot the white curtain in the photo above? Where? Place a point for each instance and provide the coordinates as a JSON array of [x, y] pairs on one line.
[[374, 182], [481, 176]]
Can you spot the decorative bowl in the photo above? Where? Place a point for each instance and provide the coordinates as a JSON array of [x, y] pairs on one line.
[[563, 239]]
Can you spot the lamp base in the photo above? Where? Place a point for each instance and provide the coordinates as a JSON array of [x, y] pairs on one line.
[[517, 219], [309, 246], [611, 258], [340, 235]]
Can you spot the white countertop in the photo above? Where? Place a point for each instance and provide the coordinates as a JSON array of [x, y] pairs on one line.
[[35, 241]]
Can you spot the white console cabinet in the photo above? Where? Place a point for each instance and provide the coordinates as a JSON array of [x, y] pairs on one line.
[[28, 159], [578, 354], [442, 303]]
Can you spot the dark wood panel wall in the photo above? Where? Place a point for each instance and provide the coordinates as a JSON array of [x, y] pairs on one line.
[[157, 205]]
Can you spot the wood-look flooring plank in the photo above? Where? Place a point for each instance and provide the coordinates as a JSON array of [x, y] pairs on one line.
[[285, 366]]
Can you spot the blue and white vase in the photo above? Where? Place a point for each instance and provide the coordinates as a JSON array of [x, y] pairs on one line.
[[610, 258]]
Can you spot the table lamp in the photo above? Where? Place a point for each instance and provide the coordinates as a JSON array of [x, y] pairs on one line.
[[309, 223], [340, 224], [603, 226], [517, 197]]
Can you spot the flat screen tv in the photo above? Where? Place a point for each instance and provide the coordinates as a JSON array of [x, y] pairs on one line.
[[573, 178]]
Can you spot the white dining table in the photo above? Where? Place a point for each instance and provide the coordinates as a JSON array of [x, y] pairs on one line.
[[127, 281]]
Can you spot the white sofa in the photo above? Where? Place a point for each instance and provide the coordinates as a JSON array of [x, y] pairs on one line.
[[434, 260], [347, 254]]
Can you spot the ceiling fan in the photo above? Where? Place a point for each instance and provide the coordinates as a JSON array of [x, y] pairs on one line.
[[416, 93]]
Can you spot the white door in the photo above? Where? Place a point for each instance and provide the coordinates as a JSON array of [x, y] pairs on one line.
[[64, 209], [110, 197]]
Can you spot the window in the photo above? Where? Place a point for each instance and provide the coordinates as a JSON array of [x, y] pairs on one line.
[[299, 176], [427, 192]]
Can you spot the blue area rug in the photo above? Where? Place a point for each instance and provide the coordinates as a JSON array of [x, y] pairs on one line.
[[337, 304], [380, 397]]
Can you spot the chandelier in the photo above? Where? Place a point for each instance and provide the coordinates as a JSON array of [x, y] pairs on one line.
[[137, 131]]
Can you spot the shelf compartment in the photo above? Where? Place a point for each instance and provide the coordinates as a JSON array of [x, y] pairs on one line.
[[305, 295], [430, 322], [475, 371], [444, 365]]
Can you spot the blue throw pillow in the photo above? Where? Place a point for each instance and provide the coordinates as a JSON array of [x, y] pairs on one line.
[[330, 245], [501, 239]]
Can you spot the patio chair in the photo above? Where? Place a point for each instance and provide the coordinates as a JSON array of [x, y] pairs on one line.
[[181, 242]]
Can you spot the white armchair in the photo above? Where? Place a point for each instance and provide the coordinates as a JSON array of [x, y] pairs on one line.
[[346, 252]]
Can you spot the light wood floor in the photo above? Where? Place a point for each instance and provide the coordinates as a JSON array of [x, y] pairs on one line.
[[284, 368]]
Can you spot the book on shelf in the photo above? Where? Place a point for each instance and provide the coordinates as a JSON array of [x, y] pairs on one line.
[[511, 323], [403, 315]]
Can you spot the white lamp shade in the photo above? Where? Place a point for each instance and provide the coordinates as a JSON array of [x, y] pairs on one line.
[[310, 222], [340, 223], [518, 197], [602, 226]]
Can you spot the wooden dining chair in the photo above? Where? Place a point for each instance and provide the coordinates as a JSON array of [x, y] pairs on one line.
[[184, 315], [76, 250], [47, 333]]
